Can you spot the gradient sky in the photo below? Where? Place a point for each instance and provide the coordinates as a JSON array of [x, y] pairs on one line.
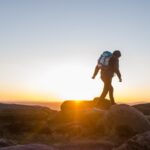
[[49, 48]]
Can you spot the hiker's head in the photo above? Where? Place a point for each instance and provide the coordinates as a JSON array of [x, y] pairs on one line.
[[117, 53]]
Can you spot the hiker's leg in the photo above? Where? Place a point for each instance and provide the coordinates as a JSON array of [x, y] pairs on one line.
[[105, 89], [111, 94]]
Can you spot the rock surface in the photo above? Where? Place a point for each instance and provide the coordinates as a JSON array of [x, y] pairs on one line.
[[76, 105], [102, 103], [5, 142], [87, 145], [119, 120], [76, 122], [29, 147], [144, 108], [148, 117], [122, 118], [138, 142], [85, 105]]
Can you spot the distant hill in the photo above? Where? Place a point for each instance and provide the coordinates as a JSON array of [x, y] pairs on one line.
[[19, 106], [51, 105]]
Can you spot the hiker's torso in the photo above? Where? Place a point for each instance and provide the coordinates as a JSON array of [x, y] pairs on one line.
[[111, 68]]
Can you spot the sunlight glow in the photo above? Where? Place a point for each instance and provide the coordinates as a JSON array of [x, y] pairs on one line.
[[73, 82], [66, 82]]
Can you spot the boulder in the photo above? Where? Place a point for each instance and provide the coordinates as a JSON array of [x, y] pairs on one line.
[[138, 142], [77, 122], [85, 105], [124, 120], [16, 119], [76, 105], [144, 108], [102, 103]]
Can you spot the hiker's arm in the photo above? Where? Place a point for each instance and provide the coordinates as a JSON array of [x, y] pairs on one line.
[[119, 75], [97, 68], [117, 71]]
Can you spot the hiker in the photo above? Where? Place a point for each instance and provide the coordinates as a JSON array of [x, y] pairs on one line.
[[107, 73]]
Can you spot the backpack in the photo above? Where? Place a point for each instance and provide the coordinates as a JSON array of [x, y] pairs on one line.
[[103, 60]]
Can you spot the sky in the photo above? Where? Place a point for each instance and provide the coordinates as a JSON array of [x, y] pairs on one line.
[[49, 48]]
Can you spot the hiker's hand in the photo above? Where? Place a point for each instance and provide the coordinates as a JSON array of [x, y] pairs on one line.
[[93, 77], [120, 79]]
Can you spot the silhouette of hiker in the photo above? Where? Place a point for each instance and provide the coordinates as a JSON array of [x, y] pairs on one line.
[[107, 74]]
